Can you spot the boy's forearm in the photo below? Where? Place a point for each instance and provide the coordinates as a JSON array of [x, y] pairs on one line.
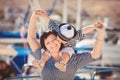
[[88, 29]]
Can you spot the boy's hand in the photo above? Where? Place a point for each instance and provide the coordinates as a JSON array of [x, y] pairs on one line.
[[98, 24], [41, 14]]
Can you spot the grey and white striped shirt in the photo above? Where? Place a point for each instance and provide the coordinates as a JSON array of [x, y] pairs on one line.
[[50, 72]]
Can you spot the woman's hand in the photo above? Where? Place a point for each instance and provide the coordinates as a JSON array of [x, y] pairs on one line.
[[40, 14], [100, 28]]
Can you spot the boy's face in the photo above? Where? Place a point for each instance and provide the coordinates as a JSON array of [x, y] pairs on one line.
[[62, 41]]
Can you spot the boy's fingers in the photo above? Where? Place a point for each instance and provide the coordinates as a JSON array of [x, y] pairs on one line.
[[39, 12], [35, 63], [98, 24]]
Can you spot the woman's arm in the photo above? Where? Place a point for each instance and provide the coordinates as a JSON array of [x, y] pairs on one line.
[[99, 41], [32, 27], [34, 45]]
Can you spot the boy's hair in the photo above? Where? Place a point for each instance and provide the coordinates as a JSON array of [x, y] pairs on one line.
[[66, 31], [44, 36]]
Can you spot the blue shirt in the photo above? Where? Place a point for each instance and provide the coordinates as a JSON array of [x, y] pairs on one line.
[[50, 72]]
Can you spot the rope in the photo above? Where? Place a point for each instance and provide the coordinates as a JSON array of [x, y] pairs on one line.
[[23, 77], [102, 67], [53, 7], [18, 69], [26, 15], [23, 29]]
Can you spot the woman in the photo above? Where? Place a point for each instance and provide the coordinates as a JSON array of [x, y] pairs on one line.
[[65, 53], [50, 72]]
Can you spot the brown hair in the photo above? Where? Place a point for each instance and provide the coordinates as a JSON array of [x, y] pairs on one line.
[[45, 35]]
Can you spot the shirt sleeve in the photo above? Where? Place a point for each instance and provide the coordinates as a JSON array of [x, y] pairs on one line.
[[53, 26], [79, 35], [82, 59], [38, 53]]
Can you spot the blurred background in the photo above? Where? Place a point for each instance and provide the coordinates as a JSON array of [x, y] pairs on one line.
[[15, 53]]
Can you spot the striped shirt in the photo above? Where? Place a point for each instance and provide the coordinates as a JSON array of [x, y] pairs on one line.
[[50, 72], [54, 26]]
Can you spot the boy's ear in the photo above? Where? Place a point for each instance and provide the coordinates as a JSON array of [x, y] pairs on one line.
[[60, 40]]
